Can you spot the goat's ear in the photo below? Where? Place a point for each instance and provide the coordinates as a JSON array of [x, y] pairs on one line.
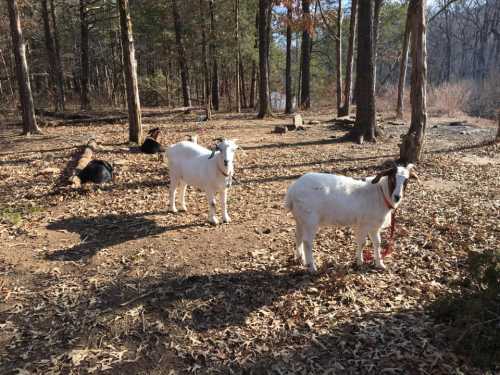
[[386, 172]]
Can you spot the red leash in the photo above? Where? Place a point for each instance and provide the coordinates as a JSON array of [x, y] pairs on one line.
[[367, 254]]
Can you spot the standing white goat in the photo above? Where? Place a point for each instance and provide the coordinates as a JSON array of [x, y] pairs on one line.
[[320, 199], [210, 171]]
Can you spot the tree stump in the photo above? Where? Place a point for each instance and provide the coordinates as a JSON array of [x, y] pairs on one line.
[[84, 159]]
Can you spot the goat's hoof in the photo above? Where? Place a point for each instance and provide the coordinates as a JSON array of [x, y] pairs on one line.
[[381, 266], [360, 262], [174, 210], [226, 220], [213, 221], [183, 209], [312, 269]]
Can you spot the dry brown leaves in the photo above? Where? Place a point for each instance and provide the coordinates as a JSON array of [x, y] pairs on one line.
[[104, 279]]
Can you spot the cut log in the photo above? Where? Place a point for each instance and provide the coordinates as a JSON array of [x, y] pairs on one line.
[[297, 121], [85, 158]]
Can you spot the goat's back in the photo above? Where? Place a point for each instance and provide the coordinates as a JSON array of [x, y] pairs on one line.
[[186, 150], [331, 199]]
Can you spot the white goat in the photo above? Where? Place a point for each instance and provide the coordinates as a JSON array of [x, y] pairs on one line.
[[210, 171], [320, 199]]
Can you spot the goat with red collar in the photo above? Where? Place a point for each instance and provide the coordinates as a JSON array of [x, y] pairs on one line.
[[320, 199], [209, 170]]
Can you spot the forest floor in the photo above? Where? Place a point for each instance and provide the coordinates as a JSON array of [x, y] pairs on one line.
[[105, 279]]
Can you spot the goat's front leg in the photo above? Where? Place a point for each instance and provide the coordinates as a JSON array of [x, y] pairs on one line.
[[375, 237], [211, 208], [225, 216], [182, 188], [361, 234]]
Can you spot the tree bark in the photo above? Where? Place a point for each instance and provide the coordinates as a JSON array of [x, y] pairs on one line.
[[365, 127], [288, 69], [237, 64], [22, 72], [253, 83], [265, 8], [376, 23], [181, 53], [350, 59], [243, 85], [204, 57], [213, 53], [412, 143], [84, 56], [402, 66], [59, 66], [338, 43], [130, 69], [305, 94]]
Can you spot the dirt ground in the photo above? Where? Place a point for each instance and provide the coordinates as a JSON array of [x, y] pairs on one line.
[[106, 280]]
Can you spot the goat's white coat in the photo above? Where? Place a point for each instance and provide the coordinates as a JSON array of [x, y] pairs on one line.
[[189, 164], [320, 199]]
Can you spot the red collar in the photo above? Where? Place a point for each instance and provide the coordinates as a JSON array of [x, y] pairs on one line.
[[386, 201]]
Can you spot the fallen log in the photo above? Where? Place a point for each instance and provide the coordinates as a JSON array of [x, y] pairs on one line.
[[84, 159]]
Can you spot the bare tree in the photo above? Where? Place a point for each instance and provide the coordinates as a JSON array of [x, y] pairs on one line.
[[130, 69], [288, 69], [22, 72], [59, 69], [350, 59], [264, 19], [84, 57], [181, 53], [413, 142], [237, 42], [305, 94], [402, 66], [213, 54], [206, 70], [365, 126], [338, 38]]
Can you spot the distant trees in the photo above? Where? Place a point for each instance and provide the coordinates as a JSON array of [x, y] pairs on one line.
[[186, 94], [305, 63], [264, 27]]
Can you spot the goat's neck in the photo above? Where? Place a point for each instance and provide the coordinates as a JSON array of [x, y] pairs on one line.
[[219, 162], [385, 194]]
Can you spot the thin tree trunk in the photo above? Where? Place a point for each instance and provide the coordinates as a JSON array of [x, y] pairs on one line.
[[237, 65], [130, 68], [186, 95], [206, 70], [338, 38], [412, 143], [376, 23], [22, 72], [305, 95], [265, 7], [59, 69], [7, 74], [350, 59], [288, 69], [213, 53], [253, 82], [84, 56], [365, 126], [243, 85], [403, 65]]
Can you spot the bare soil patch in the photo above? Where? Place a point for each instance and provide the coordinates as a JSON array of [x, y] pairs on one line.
[[104, 279]]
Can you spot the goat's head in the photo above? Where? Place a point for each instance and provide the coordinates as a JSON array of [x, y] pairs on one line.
[[227, 148], [154, 133], [397, 179]]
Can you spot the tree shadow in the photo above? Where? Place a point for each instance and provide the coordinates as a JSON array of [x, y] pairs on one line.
[[97, 233]]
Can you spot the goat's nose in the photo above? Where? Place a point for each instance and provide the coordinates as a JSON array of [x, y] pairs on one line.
[[397, 198], [226, 163]]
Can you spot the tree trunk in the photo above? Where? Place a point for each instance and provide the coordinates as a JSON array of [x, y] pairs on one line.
[[350, 59], [243, 85], [186, 95], [305, 95], [213, 53], [402, 66], [59, 66], [204, 57], [288, 70], [376, 22], [22, 72], [265, 8], [338, 38], [84, 55], [237, 65], [365, 126], [130, 68], [413, 142], [253, 82]]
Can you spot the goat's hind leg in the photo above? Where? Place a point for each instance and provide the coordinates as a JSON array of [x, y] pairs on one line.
[[299, 244], [182, 189], [308, 236], [360, 234], [375, 237]]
